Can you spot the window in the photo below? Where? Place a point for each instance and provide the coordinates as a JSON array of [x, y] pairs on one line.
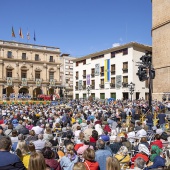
[[36, 57], [23, 56], [113, 69], [71, 62], [113, 95], [67, 80], [102, 71], [92, 72], [125, 81], [37, 75], [84, 74], [76, 86], [77, 75], [102, 95], [112, 84], [51, 59], [101, 83], [125, 51], [84, 84], [125, 67], [51, 75], [9, 54], [112, 54], [9, 73], [23, 74], [93, 84]]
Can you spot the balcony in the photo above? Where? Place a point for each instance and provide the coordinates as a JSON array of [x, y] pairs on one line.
[[125, 70], [92, 75], [125, 85], [102, 74], [77, 77], [51, 60], [113, 72], [102, 86], [76, 87], [112, 86]]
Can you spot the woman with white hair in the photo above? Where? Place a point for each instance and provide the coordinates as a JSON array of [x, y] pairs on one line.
[[99, 129]]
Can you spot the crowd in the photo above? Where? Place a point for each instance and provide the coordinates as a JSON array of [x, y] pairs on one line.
[[85, 135]]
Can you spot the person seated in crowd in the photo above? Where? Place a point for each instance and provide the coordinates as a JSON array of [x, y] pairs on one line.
[[143, 141], [112, 163], [37, 129], [40, 143], [86, 145], [131, 134], [105, 137], [37, 162], [68, 139], [123, 157], [79, 166], [94, 136], [157, 141], [139, 164], [31, 137], [67, 162], [80, 141], [23, 152], [8, 132], [47, 134], [89, 159], [115, 146], [143, 153], [9, 161], [101, 154], [50, 160], [23, 130]]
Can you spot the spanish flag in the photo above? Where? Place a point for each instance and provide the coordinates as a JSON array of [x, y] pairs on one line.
[[107, 70]]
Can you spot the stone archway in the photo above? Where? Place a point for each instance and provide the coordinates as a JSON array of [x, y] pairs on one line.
[[23, 90], [36, 92]]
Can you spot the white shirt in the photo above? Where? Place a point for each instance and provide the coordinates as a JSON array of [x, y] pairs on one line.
[[38, 130], [141, 133], [131, 136]]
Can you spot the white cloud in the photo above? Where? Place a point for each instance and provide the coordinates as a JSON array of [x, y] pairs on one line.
[[115, 44]]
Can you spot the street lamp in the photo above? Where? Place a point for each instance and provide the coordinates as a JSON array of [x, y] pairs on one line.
[[131, 89], [88, 90]]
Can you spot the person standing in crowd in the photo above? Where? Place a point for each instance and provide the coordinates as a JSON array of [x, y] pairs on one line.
[[162, 118]]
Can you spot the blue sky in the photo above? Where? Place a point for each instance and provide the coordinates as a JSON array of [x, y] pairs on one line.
[[77, 27]]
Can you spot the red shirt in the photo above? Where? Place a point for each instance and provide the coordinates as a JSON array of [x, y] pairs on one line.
[[141, 155], [158, 143], [91, 165], [92, 140], [107, 128], [77, 146]]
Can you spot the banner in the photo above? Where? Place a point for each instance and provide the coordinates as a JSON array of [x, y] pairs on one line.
[[24, 82], [88, 79], [9, 81], [97, 69], [80, 85], [107, 70], [118, 81], [52, 82], [38, 82]]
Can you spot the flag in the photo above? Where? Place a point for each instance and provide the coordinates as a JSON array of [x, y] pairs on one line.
[[20, 33], [13, 33], [34, 36], [28, 35], [107, 70]]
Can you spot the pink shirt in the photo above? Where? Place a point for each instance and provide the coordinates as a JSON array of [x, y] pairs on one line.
[[83, 148]]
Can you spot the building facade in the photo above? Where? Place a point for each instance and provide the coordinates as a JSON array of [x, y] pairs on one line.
[[66, 75], [161, 47], [28, 69], [107, 73]]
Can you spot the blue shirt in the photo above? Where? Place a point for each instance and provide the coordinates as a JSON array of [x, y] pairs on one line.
[[161, 118], [100, 157]]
